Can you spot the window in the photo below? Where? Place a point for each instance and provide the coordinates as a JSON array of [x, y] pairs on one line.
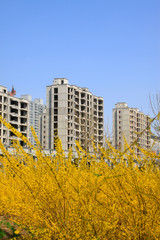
[[55, 97], [55, 90], [62, 82], [56, 132], [56, 104], [55, 118], [55, 111]]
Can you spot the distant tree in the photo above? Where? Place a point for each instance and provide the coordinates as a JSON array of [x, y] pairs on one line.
[[108, 135], [155, 107]]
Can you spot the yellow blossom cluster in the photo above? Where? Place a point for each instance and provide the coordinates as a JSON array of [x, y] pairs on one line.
[[113, 197]]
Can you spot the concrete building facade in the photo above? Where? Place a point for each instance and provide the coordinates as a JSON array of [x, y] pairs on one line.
[[73, 113], [128, 122], [36, 108], [16, 112]]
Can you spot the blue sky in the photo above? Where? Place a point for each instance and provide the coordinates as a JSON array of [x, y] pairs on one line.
[[110, 46]]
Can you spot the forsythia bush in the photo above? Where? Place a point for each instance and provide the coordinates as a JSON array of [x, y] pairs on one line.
[[109, 197]]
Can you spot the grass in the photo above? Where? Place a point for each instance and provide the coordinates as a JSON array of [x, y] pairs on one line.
[[2, 233], [7, 230]]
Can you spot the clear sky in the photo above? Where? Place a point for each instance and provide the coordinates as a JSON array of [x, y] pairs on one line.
[[111, 47]]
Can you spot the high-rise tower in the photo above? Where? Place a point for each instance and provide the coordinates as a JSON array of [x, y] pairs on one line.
[[128, 122], [72, 113]]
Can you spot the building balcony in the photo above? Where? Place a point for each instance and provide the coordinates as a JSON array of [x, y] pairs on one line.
[[14, 103], [100, 120], [14, 121], [76, 113], [83, 115], [95, 119], [76, 121], [23, 128], [70, 99], [100, 132], [100, 125], [23, 122], [100, 108], [83, 109], [83, 122], [4, 141], [83, 104], [24, 105], [77, 127], [100, 139], [83, 95], [95, 133]]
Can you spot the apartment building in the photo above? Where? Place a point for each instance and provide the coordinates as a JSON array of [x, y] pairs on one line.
[[42, 129], [36, 108], [15, 111], [73, 113], [127, 122]]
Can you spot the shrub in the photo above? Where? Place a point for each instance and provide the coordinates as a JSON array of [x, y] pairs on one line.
[[109, 198]]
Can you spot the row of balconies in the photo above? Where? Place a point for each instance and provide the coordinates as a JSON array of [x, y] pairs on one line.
[[138, 124], [15, 120], [84, 141], [82, 112], [84, 120], [79, 127], [84, 96], [82, 126], [16, 104], [85, 116], [12, 135], [84, 106], [22, 113]]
